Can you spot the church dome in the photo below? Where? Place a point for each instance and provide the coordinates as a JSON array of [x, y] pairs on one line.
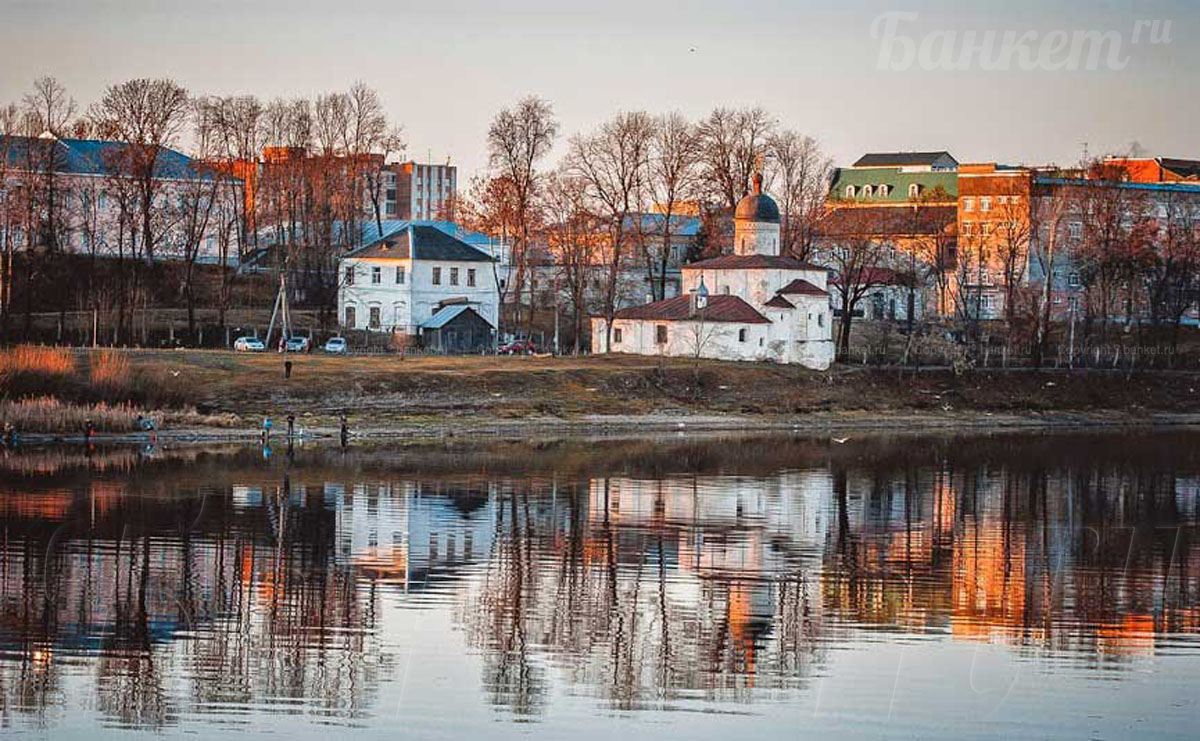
[[757, 206]]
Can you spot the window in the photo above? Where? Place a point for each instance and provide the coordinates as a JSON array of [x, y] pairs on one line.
[[471, 277], [616, 335], [373, 317], [867, 191], [437, 276], [966, 227], [968, 205], [349, 317], [914, 190], [454, 276], [985, 204], [349, 275], [399, 275], [821, 319], [376, 274], [1075, 230], [1073, 280], [741, 335], [660, 334], [850, 191]]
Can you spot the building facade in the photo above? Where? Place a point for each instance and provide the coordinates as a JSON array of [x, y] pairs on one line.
[[399, 282], [417, 192], [84, 199]]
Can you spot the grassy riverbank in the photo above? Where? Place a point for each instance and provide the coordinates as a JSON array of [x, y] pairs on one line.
[[216, 389]]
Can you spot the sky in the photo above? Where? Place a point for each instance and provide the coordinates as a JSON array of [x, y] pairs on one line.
[[443, 69]]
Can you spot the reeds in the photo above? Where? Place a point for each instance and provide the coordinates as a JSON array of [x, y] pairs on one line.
[[33, 360], [49, 415]]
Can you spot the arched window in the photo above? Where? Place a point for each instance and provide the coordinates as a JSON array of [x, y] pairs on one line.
[[867, 191], [850, 191], [882, 191], [914, 190], [741, 335]]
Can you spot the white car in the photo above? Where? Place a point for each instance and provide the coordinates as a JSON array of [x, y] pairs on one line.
[[249, 344], [297, 344], [336, 346]]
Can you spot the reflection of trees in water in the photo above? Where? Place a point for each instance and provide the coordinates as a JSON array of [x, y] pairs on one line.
[[246, 604], [628, 609]]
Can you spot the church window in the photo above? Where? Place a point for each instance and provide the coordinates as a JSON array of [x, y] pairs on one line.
[[741, 335], [849, 191], [914, 190], [867, 191], [821, 319]]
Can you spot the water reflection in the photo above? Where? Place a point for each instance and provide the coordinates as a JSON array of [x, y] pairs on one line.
[[210, 586]]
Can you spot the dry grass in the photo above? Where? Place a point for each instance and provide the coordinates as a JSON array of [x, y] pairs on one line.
[[110, 370], [37, 361], [46, 414]]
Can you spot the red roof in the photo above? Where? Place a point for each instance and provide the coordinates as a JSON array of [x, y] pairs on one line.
[[721, 308], [746, 262], [779, 302], [802, 287]]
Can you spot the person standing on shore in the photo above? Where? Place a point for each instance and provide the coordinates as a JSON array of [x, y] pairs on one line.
[[266, 431], [344, 430]]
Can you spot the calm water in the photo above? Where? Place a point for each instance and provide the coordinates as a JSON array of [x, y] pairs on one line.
[[1033, 585]]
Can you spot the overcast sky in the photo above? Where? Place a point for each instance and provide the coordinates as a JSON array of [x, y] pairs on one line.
[[444, 67]]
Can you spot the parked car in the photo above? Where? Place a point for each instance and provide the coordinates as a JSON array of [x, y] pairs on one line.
[[336, 346], [518, 347], [298, 344], [249, 344]]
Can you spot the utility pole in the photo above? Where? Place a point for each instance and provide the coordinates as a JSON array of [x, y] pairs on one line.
[[1071, 352]]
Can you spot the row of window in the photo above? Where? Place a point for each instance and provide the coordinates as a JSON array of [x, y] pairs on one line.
[[660, 332], [985, 202], [401, 276], [880, 191]]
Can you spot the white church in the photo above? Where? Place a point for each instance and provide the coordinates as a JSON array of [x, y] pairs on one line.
[[752, 305]]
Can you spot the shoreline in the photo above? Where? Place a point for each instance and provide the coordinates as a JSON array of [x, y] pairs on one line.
[[629, 425]]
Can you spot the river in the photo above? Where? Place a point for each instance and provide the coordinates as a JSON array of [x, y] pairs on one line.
[[715, 586]]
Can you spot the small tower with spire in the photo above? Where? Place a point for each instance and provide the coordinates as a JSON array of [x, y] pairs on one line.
[[756, 222]]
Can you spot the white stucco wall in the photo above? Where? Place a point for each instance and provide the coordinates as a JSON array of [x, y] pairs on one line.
[[404, 306]]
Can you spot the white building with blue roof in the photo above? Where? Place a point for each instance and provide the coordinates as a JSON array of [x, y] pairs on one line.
[[421, 277], [194, 202]]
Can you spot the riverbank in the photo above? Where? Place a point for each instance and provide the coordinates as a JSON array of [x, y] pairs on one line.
[[216, 395]]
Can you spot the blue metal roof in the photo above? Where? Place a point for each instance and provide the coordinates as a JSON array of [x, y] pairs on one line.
[[681, 226], [1160, 187], [445, 315], [94, 157]]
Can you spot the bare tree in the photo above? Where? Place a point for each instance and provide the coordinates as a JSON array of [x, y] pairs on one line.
[[148, 115], [518, 139], [573, 235], [672, 177], [799, 172], [731, 142], [612, 164], [1049, 213], [857, 250]]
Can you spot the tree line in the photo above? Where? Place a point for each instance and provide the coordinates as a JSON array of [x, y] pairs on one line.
[[584, 217]]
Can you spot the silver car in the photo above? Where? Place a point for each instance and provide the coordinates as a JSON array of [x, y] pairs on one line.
[[336, 346]]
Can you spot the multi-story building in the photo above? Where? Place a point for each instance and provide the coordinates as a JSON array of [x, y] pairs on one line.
[[85, 201], [417, 192], [417, 278]]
